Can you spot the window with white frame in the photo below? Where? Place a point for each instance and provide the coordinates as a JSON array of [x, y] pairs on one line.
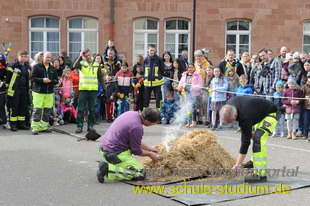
[[238, 36], [82, 34], [177, 36], [306, 37], [44, 35], [145, 33]]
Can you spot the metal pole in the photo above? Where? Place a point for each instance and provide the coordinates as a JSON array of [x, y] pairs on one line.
[[194, 30]]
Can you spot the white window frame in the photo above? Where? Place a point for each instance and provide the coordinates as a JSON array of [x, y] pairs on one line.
[[145, 40], [305, 33], [82, 31], [45, 31], [176, 33], [238, 33]]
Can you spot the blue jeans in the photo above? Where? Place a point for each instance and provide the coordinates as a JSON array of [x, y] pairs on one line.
[[124, 105], [306, 113], [98, 109]]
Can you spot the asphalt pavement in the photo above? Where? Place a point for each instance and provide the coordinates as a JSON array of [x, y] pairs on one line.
[[56, 169]]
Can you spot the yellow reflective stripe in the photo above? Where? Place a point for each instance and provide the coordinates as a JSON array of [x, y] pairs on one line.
[[13, 79], [156, 72], [259, 158], [10, 69], [20, 118], [156, 82], [89, 77], [96, 83]]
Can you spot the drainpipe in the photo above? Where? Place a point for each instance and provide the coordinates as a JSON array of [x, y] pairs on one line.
[[112, 19], [194, 30]]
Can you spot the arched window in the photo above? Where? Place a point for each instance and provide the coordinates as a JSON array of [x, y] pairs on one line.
[[44, 35], [82, 34], [145, 33], [306, 37], [238, 36], [177, 36]]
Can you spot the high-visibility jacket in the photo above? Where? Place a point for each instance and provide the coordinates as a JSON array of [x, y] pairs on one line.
[[154, 68], [89, 75], [13, 75]]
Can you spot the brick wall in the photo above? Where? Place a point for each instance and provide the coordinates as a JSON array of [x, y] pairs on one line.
[[274, 23]]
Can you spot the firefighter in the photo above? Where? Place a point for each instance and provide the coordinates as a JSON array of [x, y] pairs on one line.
[[3, 66], [44, 77], [252, 111], [17, 82]]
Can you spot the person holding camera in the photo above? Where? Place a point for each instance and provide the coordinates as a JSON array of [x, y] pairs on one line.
[[265, 81], [90, 74]]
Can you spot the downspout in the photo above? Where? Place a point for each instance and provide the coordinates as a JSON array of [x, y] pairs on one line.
[[112, 19], [194, 30]]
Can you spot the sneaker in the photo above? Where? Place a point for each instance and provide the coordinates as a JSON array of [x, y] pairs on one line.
[[238, 130], [103, 171], [248, 164], [213, 128], [274, 134], [255, 178], [56, 124], [193, 124], [282, 134], [79, 130], [35, 132], [97, 123], [109, 121], [219, 128], [46, 131], [7, 126], [299, 134]]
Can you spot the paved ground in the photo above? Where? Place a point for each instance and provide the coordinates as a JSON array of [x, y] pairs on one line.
[[55, 169]]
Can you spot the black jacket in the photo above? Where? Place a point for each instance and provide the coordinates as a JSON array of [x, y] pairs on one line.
[[111, 89], [251, 110], [39, 73]]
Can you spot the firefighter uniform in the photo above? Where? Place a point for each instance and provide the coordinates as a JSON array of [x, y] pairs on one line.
[[153, 79], [17, 82], [263, 115], [43, 95]]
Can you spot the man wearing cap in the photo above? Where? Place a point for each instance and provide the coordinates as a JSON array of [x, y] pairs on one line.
[[206, 54], [121, 140], [251, 111]]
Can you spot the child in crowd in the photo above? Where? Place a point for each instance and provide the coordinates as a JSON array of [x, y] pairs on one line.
[[108, 46], [190, 86], [138, 91], [306, 110], [58, 114], [98, 104], [244, 89], [68, 109], [123, 78], [277, 99], [66, 83], [209, 76], [219, 86], [233, 82], [168, 109], [110, 96], [292, 107]]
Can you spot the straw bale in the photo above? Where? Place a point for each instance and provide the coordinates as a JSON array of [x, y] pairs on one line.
[[196, 149]]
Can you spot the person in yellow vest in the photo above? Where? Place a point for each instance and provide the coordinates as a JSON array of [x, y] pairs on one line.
[[17, 82], [90, 74], [44, 77]]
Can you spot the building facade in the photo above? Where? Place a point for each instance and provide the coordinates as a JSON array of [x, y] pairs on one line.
[[52, 25]]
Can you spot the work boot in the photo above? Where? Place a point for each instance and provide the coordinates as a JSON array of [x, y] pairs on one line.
[[13, 128], [103, 171], [248, 164], [79, 130], [90, 128], [23, 127], [35, 132], [294, 136], [289, 135], [255, 178], [46, 131]]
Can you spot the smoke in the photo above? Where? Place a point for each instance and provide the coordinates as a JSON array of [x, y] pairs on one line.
[[181, 116]]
